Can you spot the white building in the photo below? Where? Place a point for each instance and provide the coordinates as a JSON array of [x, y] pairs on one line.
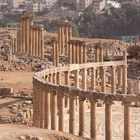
[[50, 3], [99, 5], [38, 7], [110, 4], [16, 3]]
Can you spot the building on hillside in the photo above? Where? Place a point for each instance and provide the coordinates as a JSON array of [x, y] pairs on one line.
[[110, 4], [50, 3], [83, 4], [99, 5], [38, 7], [16, 3]]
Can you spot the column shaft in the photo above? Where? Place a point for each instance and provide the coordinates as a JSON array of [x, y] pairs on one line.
[[103, 79], [124, 82], [42, 109], [120, 76], [61, 113], [93, 119], [82, 117], [113, 81], [108, 121], [77, 78], [84, 54], [126, 122], [72, 116], [47, 110], [93, 78], [54, 112], [84, 79], [59, 37]]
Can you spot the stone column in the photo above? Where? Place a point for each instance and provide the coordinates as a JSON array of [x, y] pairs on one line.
[[84, 54], [33, 41], [59, 37], [63, 38], [93, 78], [50, 78], [72, 121], [18, 43], [127, 121], [108, 119], [27, 34], [67, 38], [35, 115], [84, 79], [42, 43], [67, 74], [23, 36], [124, 81], [93, 119], [70, 53], [47, 109], [96, 54], [82, 116], [77, 53], [103, 79], [54, 53], [61, 113], [36, 41], [77, 78], [30, 38], [54, 78], [54, 111], [26, 24], [58, 78], [113, 81], [73, 53], [39, 42], [120, 76], [67, 82], [80, 54], [101, 56], [37, 48], [42, 105]]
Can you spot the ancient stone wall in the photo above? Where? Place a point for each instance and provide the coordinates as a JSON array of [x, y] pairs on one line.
[[75, 85]]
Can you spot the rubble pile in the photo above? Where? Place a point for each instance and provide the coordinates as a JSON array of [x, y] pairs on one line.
[[25, 94], [30, 137], [22, 113], [26, 63]]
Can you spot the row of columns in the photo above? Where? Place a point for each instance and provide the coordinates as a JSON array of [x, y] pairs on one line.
[[64, 36], [46, 108], [77, 52], [30, 38], [117, 78]]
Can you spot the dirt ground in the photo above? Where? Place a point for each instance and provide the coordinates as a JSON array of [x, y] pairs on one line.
[[12, 132], [16, 80]]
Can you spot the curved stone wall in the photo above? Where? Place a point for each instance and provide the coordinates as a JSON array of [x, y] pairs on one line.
[[78, 86]]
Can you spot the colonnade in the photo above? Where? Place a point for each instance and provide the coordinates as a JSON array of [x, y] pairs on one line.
[[30, 38], [53, 85], [77, 52], [64, 36], [55, 51]]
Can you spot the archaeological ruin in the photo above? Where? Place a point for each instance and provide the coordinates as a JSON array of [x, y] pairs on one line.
[[80, 84]]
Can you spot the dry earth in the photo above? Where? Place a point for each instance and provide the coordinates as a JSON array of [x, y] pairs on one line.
[[13, 132]]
